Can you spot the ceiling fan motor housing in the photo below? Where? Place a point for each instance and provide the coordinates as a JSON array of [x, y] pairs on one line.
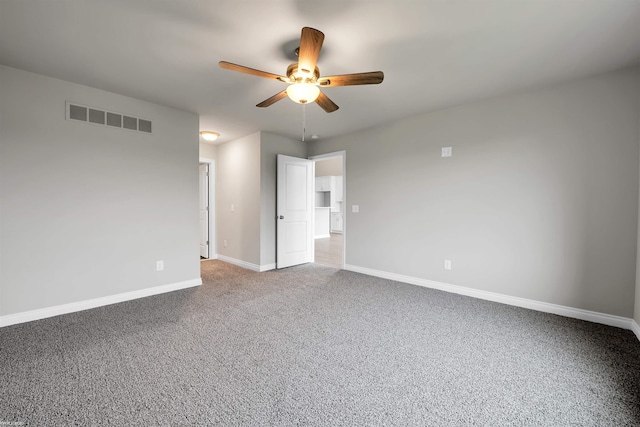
[[302, 76]]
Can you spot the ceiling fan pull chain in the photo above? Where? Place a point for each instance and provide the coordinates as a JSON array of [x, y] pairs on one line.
[[304, 120]]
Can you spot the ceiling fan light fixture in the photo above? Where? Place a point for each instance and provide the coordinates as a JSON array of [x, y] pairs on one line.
[[209, 136], [303, 76], [303, 93]]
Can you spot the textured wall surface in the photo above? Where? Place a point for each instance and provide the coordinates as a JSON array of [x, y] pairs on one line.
[[539, 200], [87, 210], [238, 188]]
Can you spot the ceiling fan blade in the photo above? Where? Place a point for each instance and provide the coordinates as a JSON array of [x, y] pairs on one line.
[[275, 98], [310, 45], [370, 78], [242, 69], [327, 105]]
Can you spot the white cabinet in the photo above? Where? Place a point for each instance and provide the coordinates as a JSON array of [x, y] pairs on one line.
[[336, 194], [338, 188], [336, 222], [322, 223], [329, 192], [329, 195], [323, 183]]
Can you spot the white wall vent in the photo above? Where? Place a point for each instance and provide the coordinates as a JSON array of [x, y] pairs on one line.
[[91, 115]]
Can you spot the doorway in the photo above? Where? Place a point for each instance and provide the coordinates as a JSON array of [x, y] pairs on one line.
[[206, 192], [330, 208]]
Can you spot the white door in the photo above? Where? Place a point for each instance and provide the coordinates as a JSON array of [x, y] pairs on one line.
[[204, 210], [294, 211]]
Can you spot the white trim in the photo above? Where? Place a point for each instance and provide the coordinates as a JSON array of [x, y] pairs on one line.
[[267, 267], [576, 313], [43, 313], [245, 264], [635, 328], [341, 153], [322, 236], [212, 205], [239, 263]]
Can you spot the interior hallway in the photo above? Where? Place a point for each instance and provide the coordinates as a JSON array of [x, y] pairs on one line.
[[329, 251]]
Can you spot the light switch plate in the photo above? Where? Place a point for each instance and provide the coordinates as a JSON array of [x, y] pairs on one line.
[[355, 208]]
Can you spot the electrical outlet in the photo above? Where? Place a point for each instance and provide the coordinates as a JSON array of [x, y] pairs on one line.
[[447, 264], [225, 243], [159, 265], [355, 208], [447, 151]]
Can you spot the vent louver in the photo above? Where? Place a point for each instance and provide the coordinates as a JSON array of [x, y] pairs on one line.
[[96, 116], [130, 123], [86, 114], [77, 112], [144, 125], [114, 119]]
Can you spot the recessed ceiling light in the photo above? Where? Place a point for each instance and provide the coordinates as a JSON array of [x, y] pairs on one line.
[[314, 136], [209, 136]]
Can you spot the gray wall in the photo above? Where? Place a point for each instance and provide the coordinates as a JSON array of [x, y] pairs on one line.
[[329, 167], [86, 210], [238, 184], [270, 146], [208, 151], [246, 177], [637, 304], [539, 200]]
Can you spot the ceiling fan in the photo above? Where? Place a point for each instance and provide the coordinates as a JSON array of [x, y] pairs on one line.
[[304, 78]]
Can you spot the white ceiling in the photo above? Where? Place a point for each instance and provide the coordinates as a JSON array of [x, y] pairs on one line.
[[434, 54]]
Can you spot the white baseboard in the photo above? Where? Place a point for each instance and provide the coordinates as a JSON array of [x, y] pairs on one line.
[[245, 264], [43, 313], [322, 236], [576, 313], [239, 263], [635, 328], [267, 267]]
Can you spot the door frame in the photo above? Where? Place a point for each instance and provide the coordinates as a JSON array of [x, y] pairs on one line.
[[343, 154], [213, 252]]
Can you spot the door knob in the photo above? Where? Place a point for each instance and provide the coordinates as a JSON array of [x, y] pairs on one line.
[[281, 217]]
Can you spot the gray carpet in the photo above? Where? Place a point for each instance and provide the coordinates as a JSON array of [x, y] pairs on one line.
[[312, 345]]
